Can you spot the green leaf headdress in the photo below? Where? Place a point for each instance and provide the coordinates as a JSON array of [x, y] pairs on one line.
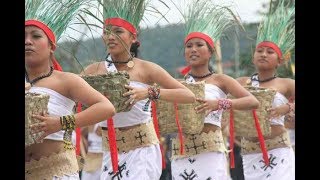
[[52, 16], [56, 14], [207, 21], [277, 31], [124, 13]]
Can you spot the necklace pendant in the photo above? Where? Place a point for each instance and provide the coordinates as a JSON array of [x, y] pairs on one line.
[[130, 64]]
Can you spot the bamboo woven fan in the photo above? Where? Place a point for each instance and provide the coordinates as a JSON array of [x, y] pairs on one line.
[[34, 104], [244, 125], [190, 121], [112, 85]]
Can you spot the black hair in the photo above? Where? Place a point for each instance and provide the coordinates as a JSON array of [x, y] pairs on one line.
[[212, 52], [134, 49]]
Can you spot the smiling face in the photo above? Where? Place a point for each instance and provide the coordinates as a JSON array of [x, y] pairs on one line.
[[115, 45], [197, 52], [265, 58], [37, 46]]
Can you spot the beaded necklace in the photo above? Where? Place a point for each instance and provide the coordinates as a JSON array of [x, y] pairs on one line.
[[200, 77], [38, 78]]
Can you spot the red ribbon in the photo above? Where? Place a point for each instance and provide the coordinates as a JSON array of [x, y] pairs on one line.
[[231, 131], [78, 132], [56, 65], [156, 127], [179, 129], [185, 70], [261, 139], [113, 145]]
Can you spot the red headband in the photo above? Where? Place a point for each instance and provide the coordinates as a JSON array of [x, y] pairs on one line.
[[50, 36], [44, 28], [121, 23], [199, 35], [271, 45]]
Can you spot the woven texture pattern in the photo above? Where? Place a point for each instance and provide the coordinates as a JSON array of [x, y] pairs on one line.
[[112, 85], [140, 136], [243, 120], [198, 143], [249, 147], [57, 164], [190, 121], [34, 104]]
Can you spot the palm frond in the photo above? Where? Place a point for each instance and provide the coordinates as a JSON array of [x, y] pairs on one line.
[[207, 17], [56, 14], [279, 27]]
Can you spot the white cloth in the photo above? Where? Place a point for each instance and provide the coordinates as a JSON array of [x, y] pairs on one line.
[[292, 135], [91, 175], [211, 92], [138, 164], [58, 105], [139, 113], [74, 176], [278, 100], [94, 141], [210, 165], [143, 163], [214, 92], [282, 160], [282, 165], [94, 146]]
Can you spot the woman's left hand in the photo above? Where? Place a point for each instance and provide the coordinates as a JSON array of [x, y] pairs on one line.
[[135, 94], [48, 125], [206, 105]]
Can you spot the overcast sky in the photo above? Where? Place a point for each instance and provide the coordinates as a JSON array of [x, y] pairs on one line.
[[246, 9]]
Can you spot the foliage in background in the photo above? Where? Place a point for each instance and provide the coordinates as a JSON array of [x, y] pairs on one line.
[[164, 46]]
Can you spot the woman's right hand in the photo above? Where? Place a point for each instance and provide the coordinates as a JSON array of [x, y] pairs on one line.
[[206, 105], [47, 126]]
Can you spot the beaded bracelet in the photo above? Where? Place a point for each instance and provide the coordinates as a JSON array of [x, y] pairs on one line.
[[68, 124], [224, 104], [154, 93], [291, 108]]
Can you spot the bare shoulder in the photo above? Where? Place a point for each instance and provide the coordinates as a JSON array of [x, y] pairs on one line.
[[148, 66], [67, 76], [147, 63], [221, 77], [287, 81], [286, 86], [243, 80], [93, 68]]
